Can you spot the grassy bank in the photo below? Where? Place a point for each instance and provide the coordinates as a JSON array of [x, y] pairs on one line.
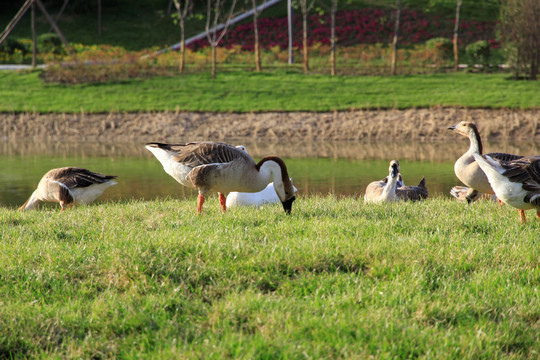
[[277, 91], [336, 279]]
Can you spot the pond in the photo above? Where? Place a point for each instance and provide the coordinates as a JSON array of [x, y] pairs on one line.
[[341, 168]]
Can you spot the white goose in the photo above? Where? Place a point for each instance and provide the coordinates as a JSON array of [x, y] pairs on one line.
[[68, 186], [213, 166], [381, 191], [515, 182], [266, 196], [467, 169]]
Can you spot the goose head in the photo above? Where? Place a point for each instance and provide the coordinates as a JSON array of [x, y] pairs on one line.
[[282, 183], [466, 128], [393, 169], [469, 130]]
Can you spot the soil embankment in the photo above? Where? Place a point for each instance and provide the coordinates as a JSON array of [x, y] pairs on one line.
[[392, 125]]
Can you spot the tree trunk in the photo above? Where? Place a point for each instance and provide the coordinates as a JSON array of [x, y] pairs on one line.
[[34, 36], [396, 33], [214, 55], [182, 46], [456, 29], [304, 42], [256, 33], [290, 31], [333, 38]]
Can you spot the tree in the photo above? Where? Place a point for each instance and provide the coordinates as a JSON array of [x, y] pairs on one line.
[[520, 33], [214, 10], [256, 45], [305, 7], [182, 10], [333, 11], [456, 29], [396, 34]]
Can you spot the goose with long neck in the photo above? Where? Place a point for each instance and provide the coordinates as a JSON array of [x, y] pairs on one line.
[[220, 167], [467, 169], [68, 186], [384, 191], [515, 182]]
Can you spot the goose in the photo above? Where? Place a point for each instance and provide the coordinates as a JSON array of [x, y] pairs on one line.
[[266, 196], [515, 182], [412, 193], [214, 166], [461, 192], [68, 186], [380, 191], [467, 169]]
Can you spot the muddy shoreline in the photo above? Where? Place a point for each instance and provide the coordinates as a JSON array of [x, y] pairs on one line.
[[368, 125]]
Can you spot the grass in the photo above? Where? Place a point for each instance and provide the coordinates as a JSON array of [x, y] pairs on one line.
[[336, 279], [276, 91]]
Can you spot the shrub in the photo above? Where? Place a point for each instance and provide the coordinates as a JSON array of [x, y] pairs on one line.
[[440, 49], [10, 46], [478, 53], [50, 43]]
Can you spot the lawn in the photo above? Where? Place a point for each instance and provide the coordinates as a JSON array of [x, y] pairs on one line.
[[335, 279], [273, 91]]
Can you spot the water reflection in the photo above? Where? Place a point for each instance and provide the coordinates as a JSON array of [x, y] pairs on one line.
[[343, 168]]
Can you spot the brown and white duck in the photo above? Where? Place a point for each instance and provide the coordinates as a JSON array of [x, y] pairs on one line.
[[515, 182], [384, 191], [220, 167], [467, 169], [68, 186]]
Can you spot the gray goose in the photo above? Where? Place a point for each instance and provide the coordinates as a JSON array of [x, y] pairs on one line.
[[467, 169], [413, 193], [515, 182], [214, 166], [68, 186], [384, 191]]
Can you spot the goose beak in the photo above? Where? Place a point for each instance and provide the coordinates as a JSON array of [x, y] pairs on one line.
[[287, 205], [453, 127]]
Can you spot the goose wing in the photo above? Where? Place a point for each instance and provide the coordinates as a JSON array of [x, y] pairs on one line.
[[74, 177], [504, 156], [525, 170], [195, 154]]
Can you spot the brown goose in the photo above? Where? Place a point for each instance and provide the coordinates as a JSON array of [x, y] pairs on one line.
[[213, 166], [68, 186], [381, 191], [467, 169], [515, 182]]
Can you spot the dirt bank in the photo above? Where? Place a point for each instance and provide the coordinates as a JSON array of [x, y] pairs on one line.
[[392, 125]]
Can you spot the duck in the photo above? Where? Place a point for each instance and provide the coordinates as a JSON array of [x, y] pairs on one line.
[[384, 191], [69, 186], [266, 196], [467, 169], [223, 168], [515, 182], [412, 193]]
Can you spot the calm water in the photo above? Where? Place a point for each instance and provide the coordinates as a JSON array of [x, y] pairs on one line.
[[316, 167]]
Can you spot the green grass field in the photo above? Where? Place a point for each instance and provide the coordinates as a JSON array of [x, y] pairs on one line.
[[276, 91], [336, 279]]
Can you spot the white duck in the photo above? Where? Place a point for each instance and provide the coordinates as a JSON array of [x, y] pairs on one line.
[[515, 182], [381, 191], [68, 186], [213, 166], [467, 169]]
